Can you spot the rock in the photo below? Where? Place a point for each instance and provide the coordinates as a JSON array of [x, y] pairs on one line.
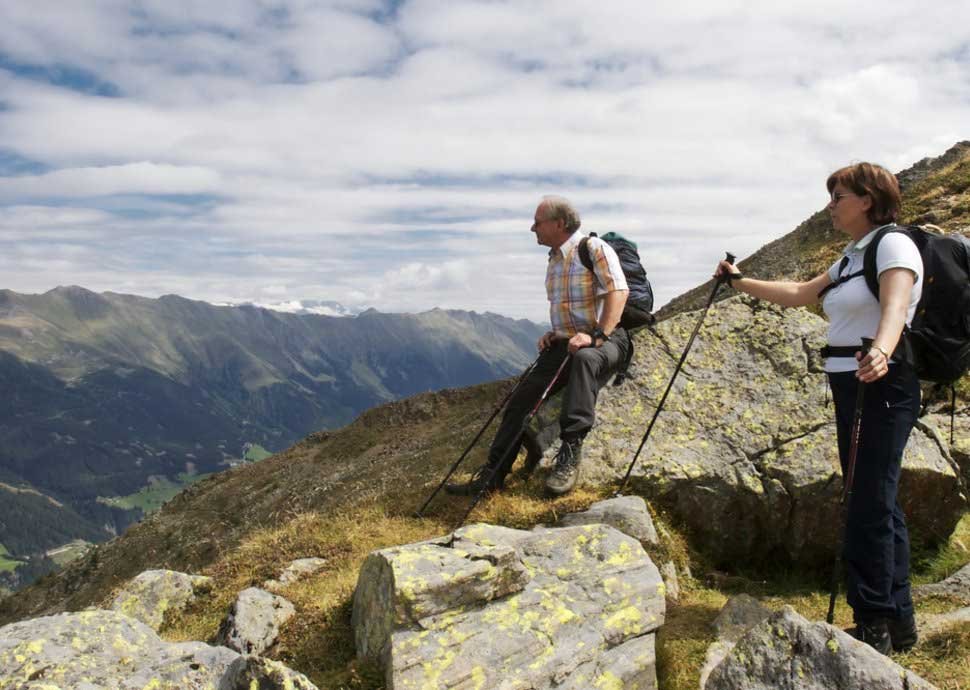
[[738, 615], [628, 514], [149, 595], [744, 452], [787, 651], [107, 650], [934, 624], [669, 573], [957, 586], [960, 449], [257, 673], [253, 623], [295, 571], [572, 607]]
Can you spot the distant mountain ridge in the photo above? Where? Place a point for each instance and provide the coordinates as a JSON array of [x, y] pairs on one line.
[[104, 393], [301, 306]]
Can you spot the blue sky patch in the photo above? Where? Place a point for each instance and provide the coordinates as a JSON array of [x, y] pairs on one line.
[[65, 76]]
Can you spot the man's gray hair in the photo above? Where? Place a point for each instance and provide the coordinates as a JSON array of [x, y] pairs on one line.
[[559, 208]]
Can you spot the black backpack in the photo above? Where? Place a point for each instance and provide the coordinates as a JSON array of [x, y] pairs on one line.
[[639, 303], [937, 344]]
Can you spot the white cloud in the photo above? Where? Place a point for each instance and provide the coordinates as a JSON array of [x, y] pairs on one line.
[[395, 160]]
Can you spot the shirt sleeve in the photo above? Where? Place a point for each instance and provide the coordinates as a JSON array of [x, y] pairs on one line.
[[896, 250], [606, 265]]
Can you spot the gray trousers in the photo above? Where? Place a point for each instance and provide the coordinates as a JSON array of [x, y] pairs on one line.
[[583, 376]]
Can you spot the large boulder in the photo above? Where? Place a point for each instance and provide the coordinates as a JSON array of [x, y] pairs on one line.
[[491, 607], [787, 652], [151, 594], [106, 650], [744, 452]]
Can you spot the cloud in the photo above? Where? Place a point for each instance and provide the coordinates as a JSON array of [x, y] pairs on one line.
[[132, 178], [391, 154]]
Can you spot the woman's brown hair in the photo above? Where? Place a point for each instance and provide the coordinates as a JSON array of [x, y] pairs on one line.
[[873, 181]]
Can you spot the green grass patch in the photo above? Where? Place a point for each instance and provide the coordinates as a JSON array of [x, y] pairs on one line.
[[7, 563], [152, 497], [256, 452]]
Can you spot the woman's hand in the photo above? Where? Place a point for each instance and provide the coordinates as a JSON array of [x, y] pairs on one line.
[[725, 269], [872, 366]]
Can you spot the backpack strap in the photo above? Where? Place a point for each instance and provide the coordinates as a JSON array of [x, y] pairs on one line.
[[842, 278], [584, 256], [869, 259]]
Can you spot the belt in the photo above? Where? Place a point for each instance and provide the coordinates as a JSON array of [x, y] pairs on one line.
[[840, 350]]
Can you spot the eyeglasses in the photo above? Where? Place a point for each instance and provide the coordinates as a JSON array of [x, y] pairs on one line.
[[838, 196]]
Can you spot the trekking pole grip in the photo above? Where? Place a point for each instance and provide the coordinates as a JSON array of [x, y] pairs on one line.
[[731, 258], [866, 345]]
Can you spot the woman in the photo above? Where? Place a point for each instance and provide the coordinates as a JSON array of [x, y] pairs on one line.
[[865, 198]]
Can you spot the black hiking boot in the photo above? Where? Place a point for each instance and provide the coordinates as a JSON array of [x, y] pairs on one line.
[[903, 633], [479, 480], [566, 471], [874, 633]]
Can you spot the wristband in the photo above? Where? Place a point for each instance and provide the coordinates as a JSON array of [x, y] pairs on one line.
[[599, 334]]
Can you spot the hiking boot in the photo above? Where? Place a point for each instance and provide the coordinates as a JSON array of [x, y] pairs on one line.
[[478, 481], [874, 633], [566, 471], [903, 633]]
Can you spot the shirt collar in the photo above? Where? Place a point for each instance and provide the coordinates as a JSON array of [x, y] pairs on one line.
[[863, 242], [566, 246]]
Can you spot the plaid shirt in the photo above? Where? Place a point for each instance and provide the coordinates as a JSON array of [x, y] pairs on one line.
[[576, 294]]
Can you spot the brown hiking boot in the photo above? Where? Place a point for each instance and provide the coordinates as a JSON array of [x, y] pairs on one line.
[[566, 471]]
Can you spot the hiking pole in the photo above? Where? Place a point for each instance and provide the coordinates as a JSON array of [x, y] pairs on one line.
[[512, 446], [471, 445], [710, 300], [847, 487]]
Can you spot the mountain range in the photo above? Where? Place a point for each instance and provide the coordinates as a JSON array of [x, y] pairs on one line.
[[112, 400]]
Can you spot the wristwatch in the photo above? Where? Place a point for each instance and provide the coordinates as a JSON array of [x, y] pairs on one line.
[[598, 334]]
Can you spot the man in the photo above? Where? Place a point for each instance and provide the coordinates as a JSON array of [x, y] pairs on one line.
[[584, 309]]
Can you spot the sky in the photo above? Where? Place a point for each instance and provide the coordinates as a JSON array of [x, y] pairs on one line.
[[391, 154]]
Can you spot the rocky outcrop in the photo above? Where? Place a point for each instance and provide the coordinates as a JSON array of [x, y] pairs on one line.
[[744, 452], [151, 594], [106, 650], [490, 607], [253, 623], [628, 514], [788, 652]]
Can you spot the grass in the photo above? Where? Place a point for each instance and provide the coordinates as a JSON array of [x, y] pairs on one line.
[[256, 452], [69, 552], [152, 497], [7, 565], [319, 640]]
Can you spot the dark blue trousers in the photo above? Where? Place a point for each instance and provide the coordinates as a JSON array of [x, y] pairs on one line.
[[876, 549]]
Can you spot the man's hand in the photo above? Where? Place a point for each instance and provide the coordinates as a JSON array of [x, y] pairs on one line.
[[579, 341], [546, 340]]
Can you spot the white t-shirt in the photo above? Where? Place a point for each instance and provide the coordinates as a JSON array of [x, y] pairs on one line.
[[853, 310]]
